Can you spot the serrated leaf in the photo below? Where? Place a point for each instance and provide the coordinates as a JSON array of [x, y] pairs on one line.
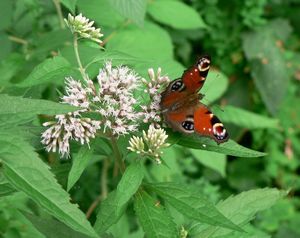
[[154, 219], [247, 119], [52, 70], [70, 4], [138, 42], [268, 66], [176, 14], [113, 207], [18, 106], [129, 184], [132, 9], [45, 226], [26, 172], [213, 160], [192, 204], [80, 161], [242, 208], [197, 142]]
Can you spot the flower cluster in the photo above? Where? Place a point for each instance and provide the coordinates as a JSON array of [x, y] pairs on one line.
[[70, 126], [82, 25], [157, 82], [115, 95], [150, 144], [112, 102]]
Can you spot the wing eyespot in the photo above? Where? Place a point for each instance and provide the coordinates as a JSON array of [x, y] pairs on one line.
[[188, 126], [177, 85]]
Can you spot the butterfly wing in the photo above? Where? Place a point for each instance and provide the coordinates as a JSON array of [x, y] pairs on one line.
[[180, 90], [194, 77], [197, 119]]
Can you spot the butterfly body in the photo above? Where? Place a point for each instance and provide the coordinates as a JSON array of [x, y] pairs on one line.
[[181, 107]]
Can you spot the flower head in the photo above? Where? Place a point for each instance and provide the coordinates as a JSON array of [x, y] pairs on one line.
[[84, 27], [112, 103], [70, 126], [150, 144], [157, 83], [115, 95]]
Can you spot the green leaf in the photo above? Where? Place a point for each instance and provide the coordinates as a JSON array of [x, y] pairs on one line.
[[113, 207], [6, 14], [116, 57], [70, 4], [17, 108], [242, 208], [215, 86], [6, 46], [192, 204], [5, 187], [133, 9], [52, 41], [197, 142], [171, 68], [213, 160], [52, 70], [26, 172], [154, 219], [176, 14], [247, 119], [80, 162], [101, 12], [150, 42], [45, 226], [268, 65], [10, 66]]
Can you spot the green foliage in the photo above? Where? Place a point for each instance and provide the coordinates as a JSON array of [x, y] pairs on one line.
[[154, 219], [186, 17], [198, 188], [27, 173]]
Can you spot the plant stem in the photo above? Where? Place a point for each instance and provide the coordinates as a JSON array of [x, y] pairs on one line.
[[119, 163], [104, 179], [59, 13], [81, 68], [103, 187]]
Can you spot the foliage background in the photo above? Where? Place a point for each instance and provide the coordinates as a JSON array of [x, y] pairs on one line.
[[254, 47]]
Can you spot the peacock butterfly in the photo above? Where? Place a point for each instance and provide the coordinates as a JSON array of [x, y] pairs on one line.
[[181, 107]]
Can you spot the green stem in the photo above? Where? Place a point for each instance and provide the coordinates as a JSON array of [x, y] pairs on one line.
[[81, 68], [119, 162], [59, 13]]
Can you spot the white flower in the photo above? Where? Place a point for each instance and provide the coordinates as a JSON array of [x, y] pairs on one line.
[[115, 95], [83, 27], [150, 144], [151, 112], [67, 127]]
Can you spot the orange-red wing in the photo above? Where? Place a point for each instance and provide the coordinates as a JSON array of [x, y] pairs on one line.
[[194, 77]]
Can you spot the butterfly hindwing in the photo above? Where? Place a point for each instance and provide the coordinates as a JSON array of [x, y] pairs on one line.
[[197, 119]]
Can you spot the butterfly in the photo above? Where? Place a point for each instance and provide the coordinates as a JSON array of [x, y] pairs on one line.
[[181, 107]]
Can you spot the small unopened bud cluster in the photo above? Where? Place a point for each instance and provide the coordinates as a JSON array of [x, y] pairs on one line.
[[84, 27], [154, 87], [150, 144]]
